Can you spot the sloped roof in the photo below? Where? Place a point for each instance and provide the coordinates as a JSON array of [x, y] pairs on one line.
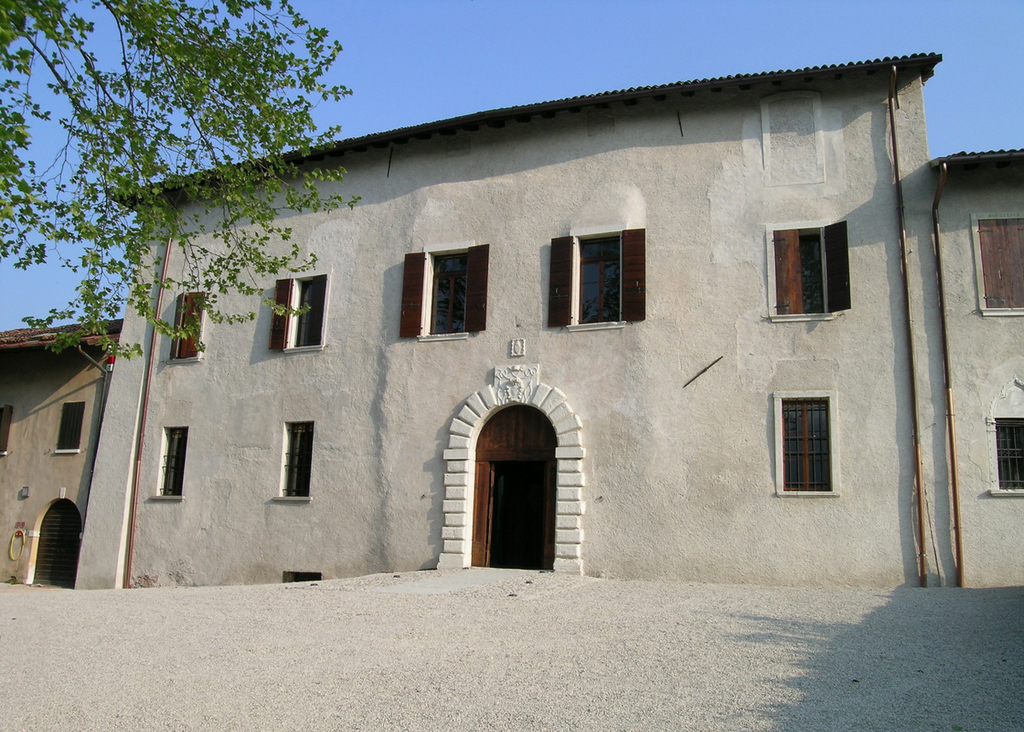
[[35, 338], [999, 157], [926, 62]]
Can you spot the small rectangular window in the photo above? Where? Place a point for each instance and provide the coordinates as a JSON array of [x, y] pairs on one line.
[[600, 267], [1010, 453], [449, 301], [1002, 261], [70, 435], [188, 311], [291, 330], [806, 450], [298, 459], [445, 292], [6, 416], [174, 461], [812, 270]]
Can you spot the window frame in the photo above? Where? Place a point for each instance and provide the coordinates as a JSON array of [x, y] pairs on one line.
[[830, 397], [177, 478], [186, 350], [838, 276], [419, 291], [6, 419], [64, 446], [632, 268], [284, 329], [979, 265], [1007, 406], [289, 449]]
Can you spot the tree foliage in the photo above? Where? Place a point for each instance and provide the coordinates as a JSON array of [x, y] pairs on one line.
[[175, 123]]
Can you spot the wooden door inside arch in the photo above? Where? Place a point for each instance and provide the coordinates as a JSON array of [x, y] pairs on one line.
[[514, 500], [59, 540]]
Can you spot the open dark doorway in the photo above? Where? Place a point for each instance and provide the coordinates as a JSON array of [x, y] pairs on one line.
[[60, 536], [514, 500]]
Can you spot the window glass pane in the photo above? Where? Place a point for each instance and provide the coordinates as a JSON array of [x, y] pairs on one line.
[[811, 272], [298, 459], [449, 294]]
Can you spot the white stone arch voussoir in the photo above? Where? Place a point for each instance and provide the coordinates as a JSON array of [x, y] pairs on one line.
[[517, 384]]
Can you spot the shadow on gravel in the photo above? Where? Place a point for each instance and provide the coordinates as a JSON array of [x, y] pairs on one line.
[[940, 659]]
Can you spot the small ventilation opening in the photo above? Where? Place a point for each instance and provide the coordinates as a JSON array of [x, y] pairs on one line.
[[303, 576]]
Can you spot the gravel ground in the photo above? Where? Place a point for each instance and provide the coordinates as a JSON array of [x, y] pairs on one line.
[[524, 651]]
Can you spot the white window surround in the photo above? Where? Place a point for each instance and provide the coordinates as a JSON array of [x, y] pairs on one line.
[[291, 499], [583, 233], [1008, 405], [833, 443], [74, 451], [769, 251], [167, 499], [979, 272], [516, 384], [819, 137]]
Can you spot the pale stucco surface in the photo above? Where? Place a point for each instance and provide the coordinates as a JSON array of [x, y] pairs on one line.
[[36, 384], [676, 483]]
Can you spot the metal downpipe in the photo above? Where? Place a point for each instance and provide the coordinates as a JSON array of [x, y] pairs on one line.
[[947, 375], [922, 556]]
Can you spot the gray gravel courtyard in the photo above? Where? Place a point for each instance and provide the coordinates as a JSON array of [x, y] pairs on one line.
[[490, 650]]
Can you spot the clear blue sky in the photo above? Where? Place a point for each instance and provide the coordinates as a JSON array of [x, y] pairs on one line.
[[409, 62]]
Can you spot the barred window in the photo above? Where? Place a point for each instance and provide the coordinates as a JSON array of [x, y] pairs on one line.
[[174, 461], [1010, 453], [298, 459], [806, 445]]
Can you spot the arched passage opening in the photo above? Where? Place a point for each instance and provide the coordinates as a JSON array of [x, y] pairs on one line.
[[514, 491], [59, 540]]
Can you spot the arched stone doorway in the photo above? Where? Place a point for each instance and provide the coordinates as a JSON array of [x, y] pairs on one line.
[[514, 492], [513, 384], [60, 536]]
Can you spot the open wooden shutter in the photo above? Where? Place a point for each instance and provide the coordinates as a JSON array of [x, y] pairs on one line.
[[477, 264], [634, 275], [6, 415], [279, 323], [188, 306], [315, 316], [1002, 264], [412, 295], [560, 288], [789, 295], [837, 267]]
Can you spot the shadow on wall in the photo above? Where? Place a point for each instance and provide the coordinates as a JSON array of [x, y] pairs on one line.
[[915, 663]]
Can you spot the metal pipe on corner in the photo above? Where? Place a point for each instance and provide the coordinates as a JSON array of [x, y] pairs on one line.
[[922, 556], [140, 436], [954, 466]]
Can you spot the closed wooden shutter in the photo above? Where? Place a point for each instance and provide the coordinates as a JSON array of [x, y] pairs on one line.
[[1002, 262], [279, 323], [837, 267], [317, 301], [59, 542], [412, 295], [70, 435], [789, 296], [189, 305], [634, 275], [6, 415], [560, 287], [477, 266]]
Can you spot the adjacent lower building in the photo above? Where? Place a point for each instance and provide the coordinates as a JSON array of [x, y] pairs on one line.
[[691, 331]]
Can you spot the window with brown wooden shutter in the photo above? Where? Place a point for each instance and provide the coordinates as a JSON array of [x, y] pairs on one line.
[[1001, 242], [560, 282], [189, 308], [6, 417], [411, 324], [279, 321], [69, 437], [812, 270]]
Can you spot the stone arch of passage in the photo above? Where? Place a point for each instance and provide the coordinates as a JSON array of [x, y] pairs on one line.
[[518, 384], [59, 532]]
